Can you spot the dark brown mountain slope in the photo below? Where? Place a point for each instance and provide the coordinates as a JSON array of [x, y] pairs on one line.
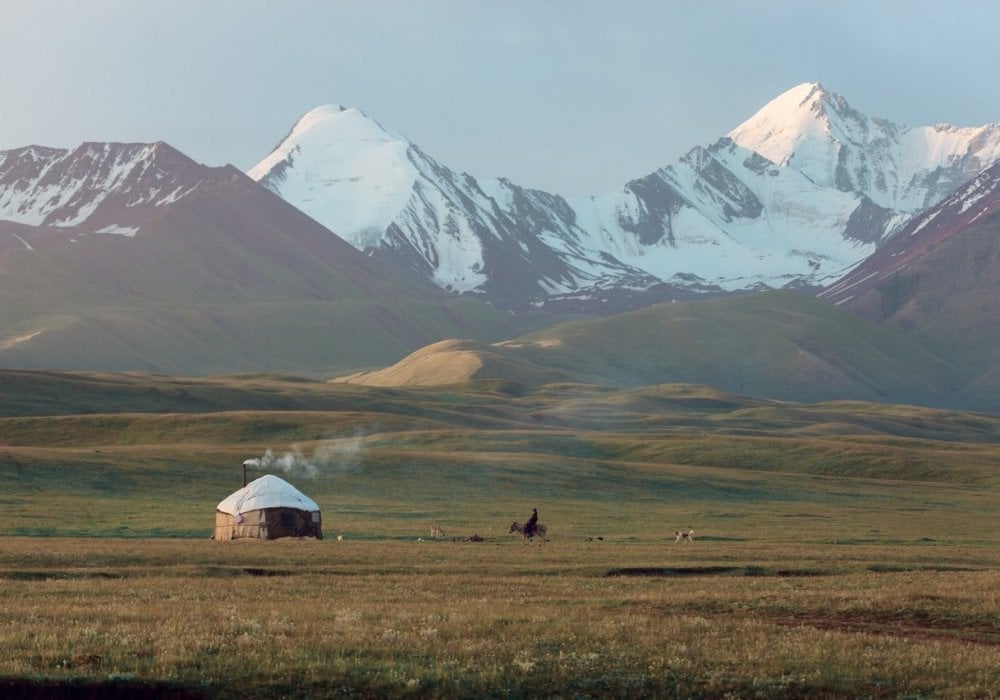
[[211, 274], [938, 281]]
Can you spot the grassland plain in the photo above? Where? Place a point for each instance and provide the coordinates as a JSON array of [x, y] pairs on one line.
[[842, 549]]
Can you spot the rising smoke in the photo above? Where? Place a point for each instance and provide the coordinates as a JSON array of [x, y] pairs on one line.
[[332, 458]]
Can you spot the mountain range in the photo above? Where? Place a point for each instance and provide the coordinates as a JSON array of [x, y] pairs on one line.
[[348, 248], [134, 257], [795, 196], [916, 322]]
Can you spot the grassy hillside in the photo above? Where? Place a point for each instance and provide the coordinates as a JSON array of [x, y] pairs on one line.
[[315, 337], [943, 292], [956, 315], [781, 345]]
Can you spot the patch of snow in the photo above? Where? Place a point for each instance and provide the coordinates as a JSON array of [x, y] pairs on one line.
[[26, 244], [61, 193], [926, 220], [176, 194], [899, 168], [81, 214], [974, 218], [129, 231], [782, 124], [844, 286], [731, 252]]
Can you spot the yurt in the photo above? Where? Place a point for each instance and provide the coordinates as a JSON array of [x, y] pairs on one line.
[[266, 509]]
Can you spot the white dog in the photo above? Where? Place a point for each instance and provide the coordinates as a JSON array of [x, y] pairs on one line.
[[686, 535]]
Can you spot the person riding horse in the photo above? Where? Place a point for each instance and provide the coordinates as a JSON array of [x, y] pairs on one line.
[[529, 527]]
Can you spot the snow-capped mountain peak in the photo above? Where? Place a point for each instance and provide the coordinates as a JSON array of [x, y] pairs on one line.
[[344, 169], [797, 194], [382, 194], [782, 124], [902, 170], [330, 126]]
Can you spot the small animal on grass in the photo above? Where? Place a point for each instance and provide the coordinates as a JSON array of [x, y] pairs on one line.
[[437, 532], [540, 530], [686, 535]]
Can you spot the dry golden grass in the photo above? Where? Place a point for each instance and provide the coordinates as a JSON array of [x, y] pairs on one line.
[[494, 619]]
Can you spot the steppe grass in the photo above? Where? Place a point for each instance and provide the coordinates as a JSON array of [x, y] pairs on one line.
[[499, 619], [842, 550]]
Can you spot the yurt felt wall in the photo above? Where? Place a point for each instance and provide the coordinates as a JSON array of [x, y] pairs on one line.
[[268, 524], [267, 508]]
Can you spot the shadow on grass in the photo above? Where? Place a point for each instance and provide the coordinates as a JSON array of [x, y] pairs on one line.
[[712, 571], [110, 689], [20, 575], [900, 569]]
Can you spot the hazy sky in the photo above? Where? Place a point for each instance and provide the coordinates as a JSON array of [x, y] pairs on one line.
[[572, 96]]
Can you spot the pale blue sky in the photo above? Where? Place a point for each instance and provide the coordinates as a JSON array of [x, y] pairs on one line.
[[572, 96]]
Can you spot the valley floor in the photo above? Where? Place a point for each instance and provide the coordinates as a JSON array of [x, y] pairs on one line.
[[841, 550], [307, 618]]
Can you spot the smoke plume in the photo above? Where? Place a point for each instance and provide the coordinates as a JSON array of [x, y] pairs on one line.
[[331, 458]]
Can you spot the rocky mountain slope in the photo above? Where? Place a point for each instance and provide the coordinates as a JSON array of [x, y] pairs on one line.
[[102, 188], [132, 256], [938, 281], [796, 195]]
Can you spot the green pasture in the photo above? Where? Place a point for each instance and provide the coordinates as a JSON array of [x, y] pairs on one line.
[[841, 550]]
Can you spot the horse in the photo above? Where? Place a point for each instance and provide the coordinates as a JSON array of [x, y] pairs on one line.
[[540, 530], [687, 536]]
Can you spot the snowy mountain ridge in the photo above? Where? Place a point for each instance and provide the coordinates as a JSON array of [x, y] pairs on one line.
[[93, 186], [796, 195], [897, 167], [383, 194], [977, 200]]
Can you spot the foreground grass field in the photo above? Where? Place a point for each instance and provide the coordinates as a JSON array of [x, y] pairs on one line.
[[496, 619], [842, 550]]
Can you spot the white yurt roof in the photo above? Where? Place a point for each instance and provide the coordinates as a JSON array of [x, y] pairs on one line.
[[266, 492]]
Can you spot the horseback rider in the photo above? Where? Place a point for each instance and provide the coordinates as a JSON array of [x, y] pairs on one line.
[[529, 527]]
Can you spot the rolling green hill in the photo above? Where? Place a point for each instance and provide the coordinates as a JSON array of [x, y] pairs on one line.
[[140, 455], [781, 345]]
